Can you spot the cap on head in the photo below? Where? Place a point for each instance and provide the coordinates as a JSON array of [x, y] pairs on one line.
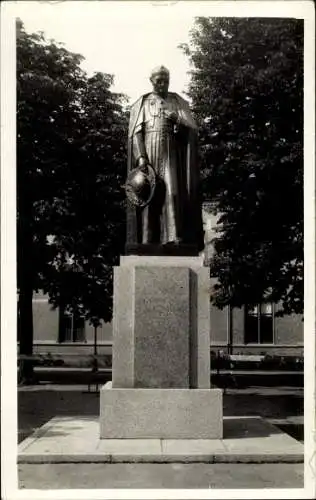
[[159, 70]]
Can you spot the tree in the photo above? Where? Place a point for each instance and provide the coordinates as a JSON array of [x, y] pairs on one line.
[[70, 167], [91, 229], [247, 92]]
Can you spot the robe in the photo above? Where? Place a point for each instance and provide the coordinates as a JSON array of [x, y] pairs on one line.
[[174, 213]]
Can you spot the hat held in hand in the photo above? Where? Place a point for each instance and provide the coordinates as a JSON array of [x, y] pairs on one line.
[[140, 186]]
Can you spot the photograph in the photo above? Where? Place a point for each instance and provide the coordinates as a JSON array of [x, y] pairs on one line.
[[157, 249]]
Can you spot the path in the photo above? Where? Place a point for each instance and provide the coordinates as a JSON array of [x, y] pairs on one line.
[[212, 476]]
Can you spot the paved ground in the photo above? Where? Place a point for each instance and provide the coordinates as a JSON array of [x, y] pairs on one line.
[[38, 404], [69, 476], [77, 439]]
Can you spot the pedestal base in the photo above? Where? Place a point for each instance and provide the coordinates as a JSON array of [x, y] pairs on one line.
[[160, 413]]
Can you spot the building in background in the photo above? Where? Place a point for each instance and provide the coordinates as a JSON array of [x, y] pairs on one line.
[[254, 330]]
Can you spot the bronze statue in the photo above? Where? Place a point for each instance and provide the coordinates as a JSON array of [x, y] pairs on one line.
[[163, 135]]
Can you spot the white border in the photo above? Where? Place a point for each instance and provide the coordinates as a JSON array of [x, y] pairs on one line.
[[303, 9], [309, 255], [8, 258]]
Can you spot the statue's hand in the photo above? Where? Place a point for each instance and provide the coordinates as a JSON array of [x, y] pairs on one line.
[[142, 164], [172, 115]]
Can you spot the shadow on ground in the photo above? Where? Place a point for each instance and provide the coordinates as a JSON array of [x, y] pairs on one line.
[[36, 408], [237, 428], [267, 406], [294, 430]]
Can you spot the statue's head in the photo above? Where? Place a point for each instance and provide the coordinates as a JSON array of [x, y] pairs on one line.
[[159, 78]]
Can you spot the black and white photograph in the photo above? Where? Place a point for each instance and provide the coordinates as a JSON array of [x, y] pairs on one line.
[[157, 249]]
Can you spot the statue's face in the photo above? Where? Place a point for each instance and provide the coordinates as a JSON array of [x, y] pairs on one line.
[[160, 83]]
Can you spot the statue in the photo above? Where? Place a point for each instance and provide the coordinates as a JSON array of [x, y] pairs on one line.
[[162, 138]]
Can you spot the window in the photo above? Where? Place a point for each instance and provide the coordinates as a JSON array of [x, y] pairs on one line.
[[259, 324], [71, 327]]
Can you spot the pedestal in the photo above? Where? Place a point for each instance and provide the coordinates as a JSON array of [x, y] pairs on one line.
[[161, 358]]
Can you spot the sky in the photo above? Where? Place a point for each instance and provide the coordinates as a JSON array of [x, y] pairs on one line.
[[125, 40], [128, 38]]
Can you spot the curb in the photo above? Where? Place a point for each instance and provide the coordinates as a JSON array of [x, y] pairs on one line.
[[294, 458]]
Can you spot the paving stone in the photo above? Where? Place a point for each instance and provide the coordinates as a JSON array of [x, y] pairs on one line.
[[76, 440]]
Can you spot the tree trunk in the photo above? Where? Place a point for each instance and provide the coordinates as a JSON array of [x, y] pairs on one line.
[[25, 283], [26, 374]]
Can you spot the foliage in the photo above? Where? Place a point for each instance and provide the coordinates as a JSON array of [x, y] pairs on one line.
[[90, 227], [247, 92], [71, 159]]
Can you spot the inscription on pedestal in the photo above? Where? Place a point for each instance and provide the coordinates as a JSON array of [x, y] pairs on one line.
[[162, 327]]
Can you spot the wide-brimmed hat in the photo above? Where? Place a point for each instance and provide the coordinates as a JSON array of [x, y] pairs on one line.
[[140, 186]]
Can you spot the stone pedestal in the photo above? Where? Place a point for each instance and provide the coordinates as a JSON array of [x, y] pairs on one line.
[[161, 357]]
